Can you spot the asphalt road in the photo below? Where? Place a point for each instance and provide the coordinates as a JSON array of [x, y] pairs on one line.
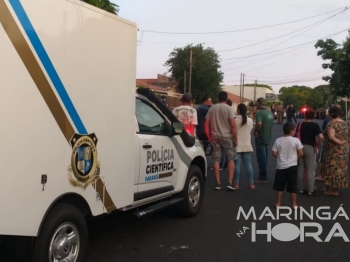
[[212, 235]]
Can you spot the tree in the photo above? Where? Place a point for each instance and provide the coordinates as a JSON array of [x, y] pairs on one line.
[[290, 95], [206, 74], [301, 96], [106, 5], [314, 99], [325, 90], [338, 60]]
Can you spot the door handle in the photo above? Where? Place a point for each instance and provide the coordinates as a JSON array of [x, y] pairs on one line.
[[147, 146]]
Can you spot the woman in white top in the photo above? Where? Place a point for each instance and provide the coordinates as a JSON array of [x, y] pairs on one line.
[[244, 148]]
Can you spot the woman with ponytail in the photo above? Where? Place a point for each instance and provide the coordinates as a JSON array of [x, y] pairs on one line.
[[244, 148]]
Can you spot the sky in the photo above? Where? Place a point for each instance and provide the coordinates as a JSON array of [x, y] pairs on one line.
[[285, 57]]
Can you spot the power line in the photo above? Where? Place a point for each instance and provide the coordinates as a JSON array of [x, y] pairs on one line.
[[282, 60], [297, 75], [203, 42], [264, 58], [286, 47], [265, 65], [281, 36], [311, 77], [301, 32], [286, 79], [283, 78], [241, 30], [283, 83], [293, 79]]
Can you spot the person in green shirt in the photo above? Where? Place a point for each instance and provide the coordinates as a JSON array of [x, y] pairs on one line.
[[262, 133]]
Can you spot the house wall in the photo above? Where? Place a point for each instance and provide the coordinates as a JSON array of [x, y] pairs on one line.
[[248, 91]]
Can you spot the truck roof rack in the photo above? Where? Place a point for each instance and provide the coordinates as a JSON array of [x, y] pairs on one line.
[[188, 140]]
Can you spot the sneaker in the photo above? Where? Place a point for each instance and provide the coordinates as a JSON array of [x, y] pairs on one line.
[[261, 181], [218, 187], [301, 192], [230, 187]]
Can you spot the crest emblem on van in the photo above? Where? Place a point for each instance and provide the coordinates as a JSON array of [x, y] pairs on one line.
[[84, 169]]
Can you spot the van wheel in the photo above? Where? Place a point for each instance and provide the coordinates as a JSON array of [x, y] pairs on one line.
[[63, 238], [193, 192]]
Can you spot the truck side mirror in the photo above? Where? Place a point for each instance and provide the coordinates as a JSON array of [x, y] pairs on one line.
[[177, 128]]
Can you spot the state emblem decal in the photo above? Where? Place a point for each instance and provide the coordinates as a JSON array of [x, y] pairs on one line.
[[84, 169]]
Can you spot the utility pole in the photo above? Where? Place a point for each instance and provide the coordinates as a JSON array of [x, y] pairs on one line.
[[240, 89], [255, 82], [190, 85], [346, 110], [243, 89], [185, 82]]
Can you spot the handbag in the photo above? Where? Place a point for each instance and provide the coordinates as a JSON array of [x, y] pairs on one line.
[[297, 133]]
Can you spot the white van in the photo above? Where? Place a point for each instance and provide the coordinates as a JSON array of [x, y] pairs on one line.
[[77, 140]]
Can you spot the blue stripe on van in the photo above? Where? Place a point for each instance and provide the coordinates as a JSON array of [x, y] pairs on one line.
[[46, 62]]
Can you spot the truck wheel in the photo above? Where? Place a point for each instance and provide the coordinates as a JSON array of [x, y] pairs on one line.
[[63, 238], [193, 192]]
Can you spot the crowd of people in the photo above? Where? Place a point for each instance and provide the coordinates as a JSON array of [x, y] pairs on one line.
[[280, 113], [303, 147]]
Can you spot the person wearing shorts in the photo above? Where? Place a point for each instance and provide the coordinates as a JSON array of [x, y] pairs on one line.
[[220, 128], [287, 150]]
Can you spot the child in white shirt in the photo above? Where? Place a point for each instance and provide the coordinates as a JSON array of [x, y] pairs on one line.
[[287, 150]]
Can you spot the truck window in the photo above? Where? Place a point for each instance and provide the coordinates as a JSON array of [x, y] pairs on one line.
[[149, 120]]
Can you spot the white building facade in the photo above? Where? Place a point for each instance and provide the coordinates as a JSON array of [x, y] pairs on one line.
[[249, 92]]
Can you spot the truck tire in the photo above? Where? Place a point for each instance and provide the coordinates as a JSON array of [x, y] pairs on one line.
[[64, 236], [193, 192]]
